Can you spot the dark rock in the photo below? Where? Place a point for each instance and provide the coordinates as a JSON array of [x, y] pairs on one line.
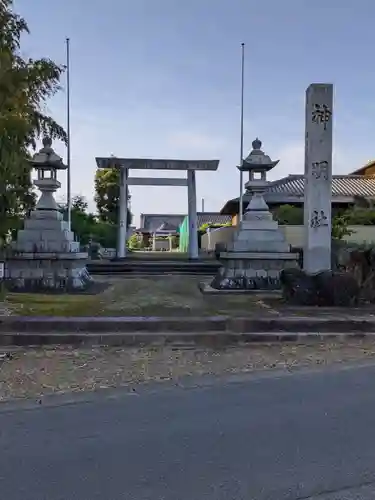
[[324, 289], [338, 289], [298, 288]]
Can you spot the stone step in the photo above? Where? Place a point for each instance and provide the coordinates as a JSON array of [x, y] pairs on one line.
[[199, 268]]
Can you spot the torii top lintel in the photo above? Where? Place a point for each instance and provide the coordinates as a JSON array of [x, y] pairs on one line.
[[156, 164]]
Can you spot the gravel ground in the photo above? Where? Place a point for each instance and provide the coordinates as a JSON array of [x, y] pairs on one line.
[[34, 372], [4, 309]]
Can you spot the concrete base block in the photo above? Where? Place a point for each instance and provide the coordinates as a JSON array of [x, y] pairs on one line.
[[47, 276]]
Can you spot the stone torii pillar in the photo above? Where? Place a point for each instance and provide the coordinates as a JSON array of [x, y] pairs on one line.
[[123, 213], [192, 215], [318, 178]]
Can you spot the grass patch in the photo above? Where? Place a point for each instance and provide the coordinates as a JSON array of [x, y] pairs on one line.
[[145, 296], [28, 304]]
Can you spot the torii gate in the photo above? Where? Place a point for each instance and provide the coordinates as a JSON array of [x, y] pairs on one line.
[[126, 164]]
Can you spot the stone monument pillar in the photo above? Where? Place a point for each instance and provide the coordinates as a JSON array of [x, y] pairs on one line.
[[258, 253], [45, 255], [318, 178]]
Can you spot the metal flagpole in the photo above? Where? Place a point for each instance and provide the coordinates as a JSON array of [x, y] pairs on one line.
[[241, 142], [69, 194]]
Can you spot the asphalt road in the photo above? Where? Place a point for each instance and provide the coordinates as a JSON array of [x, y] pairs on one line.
[[275, 437]]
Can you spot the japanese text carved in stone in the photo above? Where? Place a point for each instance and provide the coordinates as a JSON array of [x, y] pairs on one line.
[[321, 114], [318, 219], [320, 170]]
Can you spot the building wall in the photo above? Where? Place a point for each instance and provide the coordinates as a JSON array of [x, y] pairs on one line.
[[220, 235], [161, 245], [361, 234], [293, 234]]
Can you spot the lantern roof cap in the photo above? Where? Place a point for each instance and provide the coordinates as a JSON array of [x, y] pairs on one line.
[[257, 160], [46, 158]]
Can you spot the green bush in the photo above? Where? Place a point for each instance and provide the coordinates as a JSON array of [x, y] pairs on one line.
[[134, 243], [288, 215], [211, 225], [361, 217]]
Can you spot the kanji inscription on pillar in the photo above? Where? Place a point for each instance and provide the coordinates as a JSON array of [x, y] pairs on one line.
[[318, 178], [318, 219], [321, 114], [319, 170]]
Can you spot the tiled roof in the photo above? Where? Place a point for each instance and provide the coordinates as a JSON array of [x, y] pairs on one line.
[[212, 218], [342, 185], [167, 226], [345, 188], [152, 222]]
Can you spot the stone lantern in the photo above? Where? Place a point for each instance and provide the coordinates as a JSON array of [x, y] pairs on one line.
[[46, 256], [257, 164], [47, 163], [258, 253]]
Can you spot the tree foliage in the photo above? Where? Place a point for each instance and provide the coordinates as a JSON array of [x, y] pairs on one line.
[[362, 217], [212, 225], [25, 87], [87, 226], [340, 227], [135, 243], [107, 195], [288, 214], [291, 215]]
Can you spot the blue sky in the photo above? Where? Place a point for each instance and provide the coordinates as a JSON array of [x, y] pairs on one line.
[[161, 78]]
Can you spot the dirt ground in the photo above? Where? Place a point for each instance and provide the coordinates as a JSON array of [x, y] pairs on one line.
[[32, 373], [168, 295]]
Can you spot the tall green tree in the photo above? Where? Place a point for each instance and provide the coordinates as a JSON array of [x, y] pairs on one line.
[[83, 222], [88, 227], [79, 204], [107, 195], [25, 87]]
